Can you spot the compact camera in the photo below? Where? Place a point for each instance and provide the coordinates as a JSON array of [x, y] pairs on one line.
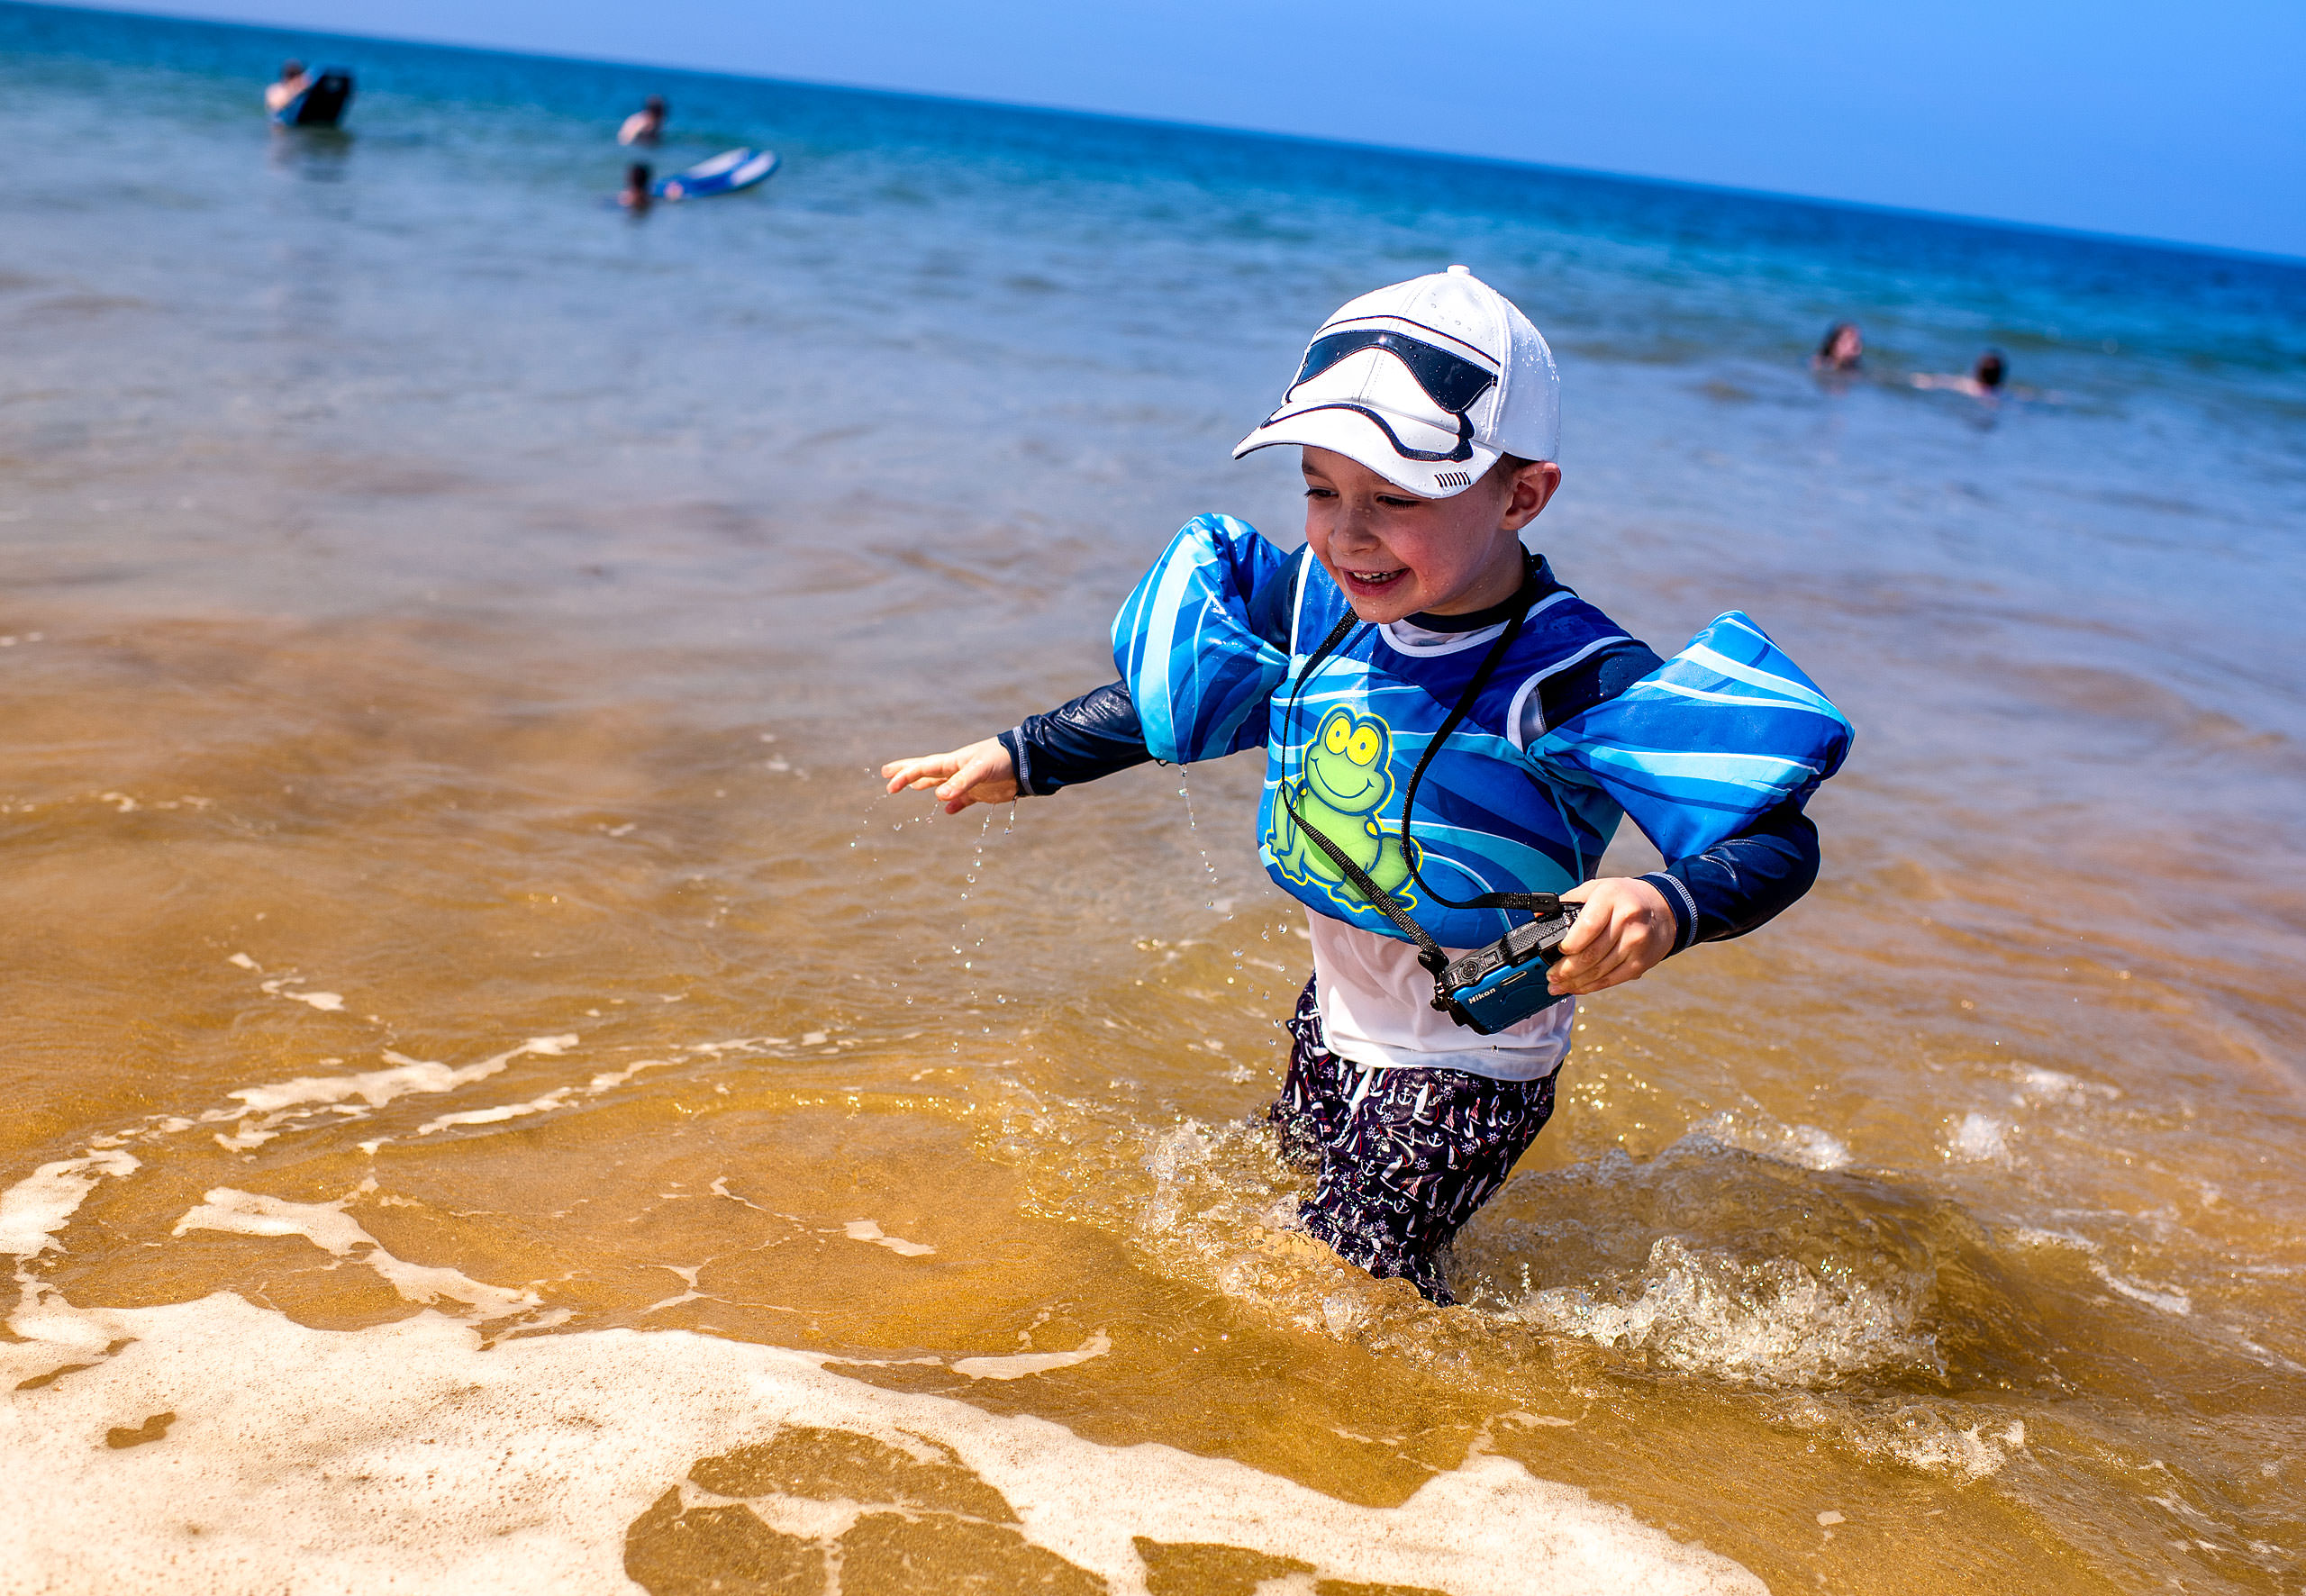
[[1501, 984]]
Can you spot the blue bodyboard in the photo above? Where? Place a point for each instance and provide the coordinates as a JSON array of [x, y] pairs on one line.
[[725, 172]]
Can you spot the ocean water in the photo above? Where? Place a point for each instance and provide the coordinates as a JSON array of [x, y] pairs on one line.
[[499, 1101]]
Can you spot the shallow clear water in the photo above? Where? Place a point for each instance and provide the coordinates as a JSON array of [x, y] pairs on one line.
[[498, 1100]]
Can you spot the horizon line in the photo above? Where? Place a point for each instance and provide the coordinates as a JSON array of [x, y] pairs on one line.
[[1038, 108]]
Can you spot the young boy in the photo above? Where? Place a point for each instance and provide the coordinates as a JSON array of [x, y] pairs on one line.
[[1447, 724]]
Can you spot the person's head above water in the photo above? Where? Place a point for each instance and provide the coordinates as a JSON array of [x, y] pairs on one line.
[[1842, 348], [291, 70], [1989, 370], [1429, 414], [646, 125]]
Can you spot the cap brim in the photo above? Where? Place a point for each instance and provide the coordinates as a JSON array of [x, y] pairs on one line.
[[1359, 438]]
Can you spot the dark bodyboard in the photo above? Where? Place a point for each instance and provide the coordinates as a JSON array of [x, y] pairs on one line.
[[322, 102]]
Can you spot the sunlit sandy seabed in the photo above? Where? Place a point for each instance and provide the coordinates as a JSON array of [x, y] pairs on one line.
[[498, 1103]]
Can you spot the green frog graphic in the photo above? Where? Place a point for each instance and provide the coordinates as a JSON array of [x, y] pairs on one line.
[[1342, 785]]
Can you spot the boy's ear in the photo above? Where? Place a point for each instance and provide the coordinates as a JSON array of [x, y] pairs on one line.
[[1533, 484]]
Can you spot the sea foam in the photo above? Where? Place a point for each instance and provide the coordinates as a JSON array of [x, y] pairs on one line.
[[408, 1457], [244, 1451], [33, 1209]]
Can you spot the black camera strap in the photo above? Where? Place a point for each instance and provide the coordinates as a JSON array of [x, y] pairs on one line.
[[1429, 953], [1534, 903]]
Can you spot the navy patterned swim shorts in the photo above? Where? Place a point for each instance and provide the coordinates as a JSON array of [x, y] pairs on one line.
[[1402, 1157]]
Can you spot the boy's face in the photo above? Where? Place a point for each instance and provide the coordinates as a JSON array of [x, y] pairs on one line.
[[1396, 555]]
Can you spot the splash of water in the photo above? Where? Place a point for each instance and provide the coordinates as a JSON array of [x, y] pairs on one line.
[[1213, 904], [1755, 1132], [1771, 1321]]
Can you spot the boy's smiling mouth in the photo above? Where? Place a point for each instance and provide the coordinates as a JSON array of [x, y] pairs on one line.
[[1375, 579]]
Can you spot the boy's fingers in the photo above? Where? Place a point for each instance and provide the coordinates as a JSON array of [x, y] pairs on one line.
[[1617, 977], [956, 776], [983, 765], [901, 771], [1582, 976], [1613, 959], [1632, 966], [922, 770], [1629, 953], [964, 777], [1582, 936], [1586, 929], [1603, 947]]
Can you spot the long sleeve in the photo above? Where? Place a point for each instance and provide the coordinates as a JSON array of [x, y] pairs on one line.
[[1094, 735], [1741, 882]]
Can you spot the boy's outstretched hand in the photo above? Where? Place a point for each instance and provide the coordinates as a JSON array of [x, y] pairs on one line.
[[980, 772], [1624, 927]]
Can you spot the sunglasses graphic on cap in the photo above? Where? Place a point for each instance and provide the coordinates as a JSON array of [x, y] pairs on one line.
[[1451, 381]]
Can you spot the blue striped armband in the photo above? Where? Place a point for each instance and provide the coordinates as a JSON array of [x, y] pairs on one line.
[[1199, 677], [1701, 748]]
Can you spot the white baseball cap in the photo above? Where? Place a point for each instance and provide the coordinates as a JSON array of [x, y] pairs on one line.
[[1426, 382]]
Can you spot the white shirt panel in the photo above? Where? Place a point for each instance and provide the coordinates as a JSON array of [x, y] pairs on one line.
[[1377, 1012]]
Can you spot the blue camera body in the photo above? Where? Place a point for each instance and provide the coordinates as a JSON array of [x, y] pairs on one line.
[[1504, 983]]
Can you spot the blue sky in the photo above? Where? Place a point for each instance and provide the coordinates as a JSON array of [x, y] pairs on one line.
[[2185, 123]]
